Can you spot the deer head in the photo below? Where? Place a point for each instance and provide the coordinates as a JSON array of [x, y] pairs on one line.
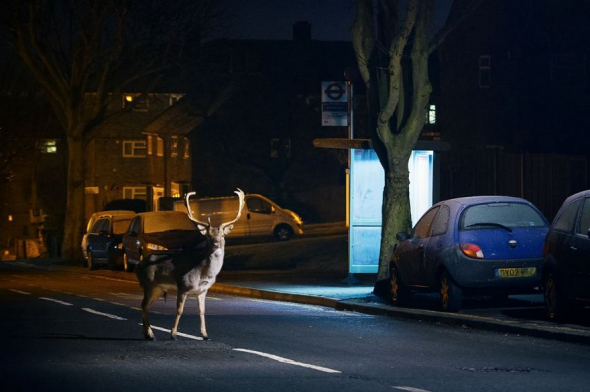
[[216, 234]]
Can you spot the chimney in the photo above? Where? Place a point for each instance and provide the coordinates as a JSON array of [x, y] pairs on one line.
[[302, 31]]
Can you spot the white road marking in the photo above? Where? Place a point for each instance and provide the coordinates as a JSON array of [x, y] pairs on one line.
[[410, 389], [184, 335], [20, 292], [56, 301], [104, 314], [288, 361]]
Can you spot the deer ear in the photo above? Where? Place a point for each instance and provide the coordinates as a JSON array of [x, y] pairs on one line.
[[227, 229], [202, 229]]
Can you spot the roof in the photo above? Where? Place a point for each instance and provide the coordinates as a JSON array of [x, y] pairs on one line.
[[486, 199]]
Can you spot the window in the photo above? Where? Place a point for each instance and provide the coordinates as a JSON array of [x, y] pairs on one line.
[[280, 148], [135, 102], [485, 70], [187, 148], [274, 148], [160, 147], [258, 205], [174, 98], [490, 216], [99, 226], [134, 148], [431, 114], [150, 144], [135, 225], [48, 146], [441, 222], [135, 192], [174, 146], [422, 229], [567, 70], [585, 220], [567, 217]]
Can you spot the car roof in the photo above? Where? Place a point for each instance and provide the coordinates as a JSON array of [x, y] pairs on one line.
[[156, 213], [577, 195], [465, 201]]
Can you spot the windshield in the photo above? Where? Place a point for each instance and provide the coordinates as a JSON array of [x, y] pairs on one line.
[[167, 222], [500, 216], [120, 225]]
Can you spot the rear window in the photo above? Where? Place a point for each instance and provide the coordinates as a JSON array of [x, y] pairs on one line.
[[167, 222], [498, 215]]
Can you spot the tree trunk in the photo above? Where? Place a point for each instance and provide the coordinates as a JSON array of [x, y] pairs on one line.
[[396, 210], [74, 221]]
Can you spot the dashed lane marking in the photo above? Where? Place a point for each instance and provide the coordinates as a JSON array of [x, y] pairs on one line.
[[288, 361], [56, 301], [411, 389], [103, 314], [20, 292], [184, 335]]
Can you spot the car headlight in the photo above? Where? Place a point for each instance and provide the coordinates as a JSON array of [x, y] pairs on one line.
[[155, 247]]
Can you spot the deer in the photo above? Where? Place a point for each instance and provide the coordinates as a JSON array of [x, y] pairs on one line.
[[186, 276]]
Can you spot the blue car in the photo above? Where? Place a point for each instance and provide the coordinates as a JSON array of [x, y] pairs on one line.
[[485, 245]]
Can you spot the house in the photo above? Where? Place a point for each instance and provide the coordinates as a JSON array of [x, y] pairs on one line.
[[513, 101]]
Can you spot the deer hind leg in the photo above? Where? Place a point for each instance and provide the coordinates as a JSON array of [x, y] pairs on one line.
[[149, 296], [180, 298], [201, 307]]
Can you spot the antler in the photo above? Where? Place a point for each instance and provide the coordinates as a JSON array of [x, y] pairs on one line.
[[242, 198], [190, 213]]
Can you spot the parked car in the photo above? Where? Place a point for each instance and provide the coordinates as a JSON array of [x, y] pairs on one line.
[[263, 217], [487, 245], [104, 238], [566, 267], [92, 221], [160, 233]]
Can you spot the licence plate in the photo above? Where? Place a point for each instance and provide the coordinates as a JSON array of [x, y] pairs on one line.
[[525, 272]]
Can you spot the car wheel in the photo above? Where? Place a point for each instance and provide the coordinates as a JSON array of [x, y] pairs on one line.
[[283, 233], [451, 295], [556, 304], [90, 261], [399, 292]]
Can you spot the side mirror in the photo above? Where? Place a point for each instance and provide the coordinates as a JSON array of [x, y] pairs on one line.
[[103, 232], [273, 209], [401, 236], [588, 233]]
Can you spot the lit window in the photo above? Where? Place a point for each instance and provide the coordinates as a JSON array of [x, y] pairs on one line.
[[160, 151], [174, 98], [432, 114], [48, 146], [134, 148], [174, 146], [187, 148], [485, 71], [135, 192], [149, 145]]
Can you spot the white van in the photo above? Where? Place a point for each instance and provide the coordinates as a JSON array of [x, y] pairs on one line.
[[260, 217]]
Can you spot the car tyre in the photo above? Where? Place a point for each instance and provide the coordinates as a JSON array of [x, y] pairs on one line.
[[283, 233], [557, 305], [399, 293], [90, 261], [451, 295]]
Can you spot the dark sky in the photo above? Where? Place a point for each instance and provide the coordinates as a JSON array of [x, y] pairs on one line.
[[273, 19]]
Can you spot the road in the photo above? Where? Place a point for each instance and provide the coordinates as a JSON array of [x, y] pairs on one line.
[[71, 331]]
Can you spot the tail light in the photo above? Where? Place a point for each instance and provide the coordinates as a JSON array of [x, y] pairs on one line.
[[472, 250]]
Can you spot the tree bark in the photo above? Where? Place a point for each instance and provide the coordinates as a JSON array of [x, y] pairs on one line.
[[74, 220]]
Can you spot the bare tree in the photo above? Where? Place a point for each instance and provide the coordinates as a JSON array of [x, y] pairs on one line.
[[392, 47], [103, 47]]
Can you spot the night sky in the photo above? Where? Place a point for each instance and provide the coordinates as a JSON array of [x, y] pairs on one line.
[[273, 19]]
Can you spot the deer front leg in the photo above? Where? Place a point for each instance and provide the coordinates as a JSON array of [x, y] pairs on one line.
[[180, 298], [149, 296], [201, 307]]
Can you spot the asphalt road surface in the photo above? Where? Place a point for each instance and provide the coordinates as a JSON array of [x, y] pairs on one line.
[[64, 331]]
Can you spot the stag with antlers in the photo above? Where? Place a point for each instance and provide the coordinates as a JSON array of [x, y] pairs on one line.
[[186, 276]]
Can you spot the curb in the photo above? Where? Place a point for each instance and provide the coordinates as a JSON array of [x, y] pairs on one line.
[[476, 322]]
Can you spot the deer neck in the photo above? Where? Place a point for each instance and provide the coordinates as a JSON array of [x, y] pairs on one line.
[[215, 260]]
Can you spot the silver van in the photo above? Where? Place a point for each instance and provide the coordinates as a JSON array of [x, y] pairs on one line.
[[93, 218], [261, 217]]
